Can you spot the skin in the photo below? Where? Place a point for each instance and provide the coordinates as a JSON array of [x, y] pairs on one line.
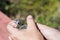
[[49, 33], [32, 33]]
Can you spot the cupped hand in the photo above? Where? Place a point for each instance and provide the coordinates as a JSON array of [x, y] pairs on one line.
[[31, 33]]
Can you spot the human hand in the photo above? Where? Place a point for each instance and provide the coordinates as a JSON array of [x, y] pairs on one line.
[[49, 33], [31, 33]]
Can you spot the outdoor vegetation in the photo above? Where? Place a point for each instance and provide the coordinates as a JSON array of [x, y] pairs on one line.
[[46, 12]]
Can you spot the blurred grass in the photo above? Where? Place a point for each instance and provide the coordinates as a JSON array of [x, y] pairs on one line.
[[44, 11]]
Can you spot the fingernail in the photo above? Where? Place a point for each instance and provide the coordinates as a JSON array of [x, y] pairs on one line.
[[30, 17]]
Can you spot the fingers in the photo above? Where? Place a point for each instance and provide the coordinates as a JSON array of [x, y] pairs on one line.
[[49, 33], [12, 38], [12, 27], [31, 23]]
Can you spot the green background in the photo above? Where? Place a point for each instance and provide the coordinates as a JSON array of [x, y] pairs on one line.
[[46, 12]]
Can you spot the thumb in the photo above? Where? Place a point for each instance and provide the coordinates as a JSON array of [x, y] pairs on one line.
[[49, 33], [31, 23]]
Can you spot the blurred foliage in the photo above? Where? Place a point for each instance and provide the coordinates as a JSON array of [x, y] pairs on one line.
[[44, 11]]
